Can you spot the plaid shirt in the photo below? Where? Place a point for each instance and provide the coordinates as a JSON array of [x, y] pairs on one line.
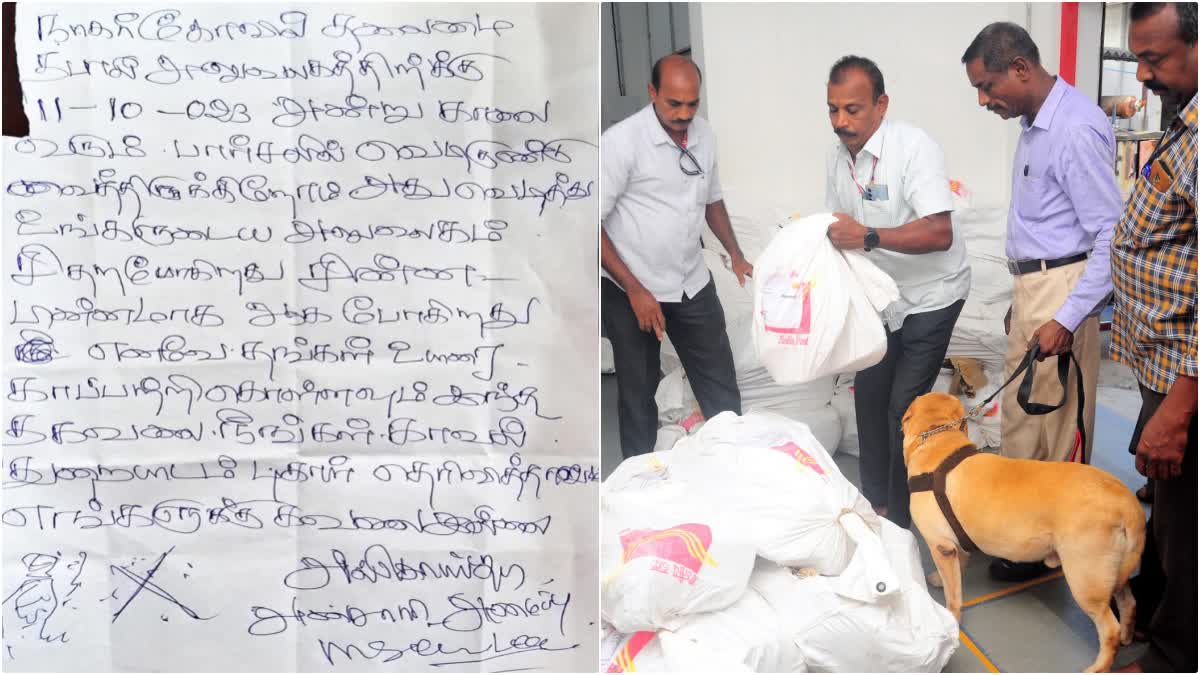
[[1153, 254]]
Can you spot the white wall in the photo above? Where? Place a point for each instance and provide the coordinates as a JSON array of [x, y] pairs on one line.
[[765, 69]]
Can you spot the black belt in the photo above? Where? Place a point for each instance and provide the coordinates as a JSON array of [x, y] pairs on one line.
[[1019, 267]]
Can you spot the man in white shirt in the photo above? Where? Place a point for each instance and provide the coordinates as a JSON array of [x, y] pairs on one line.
[[659, 187], [886, 184]]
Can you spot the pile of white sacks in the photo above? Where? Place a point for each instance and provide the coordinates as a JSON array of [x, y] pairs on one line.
[[826, 404], [743, 548]]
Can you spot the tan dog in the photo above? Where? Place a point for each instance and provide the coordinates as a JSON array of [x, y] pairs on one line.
[[1027, 510], [968, 376]]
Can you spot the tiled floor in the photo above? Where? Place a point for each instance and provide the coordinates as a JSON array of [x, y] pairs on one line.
[[1035, 628]]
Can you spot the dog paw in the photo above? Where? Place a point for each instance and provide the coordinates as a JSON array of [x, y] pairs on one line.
[[934, 579]]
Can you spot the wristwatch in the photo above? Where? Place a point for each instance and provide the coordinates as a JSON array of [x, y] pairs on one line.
[[870, 239]]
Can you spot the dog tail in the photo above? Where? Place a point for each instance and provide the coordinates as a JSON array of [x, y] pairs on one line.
[[1131, 540]]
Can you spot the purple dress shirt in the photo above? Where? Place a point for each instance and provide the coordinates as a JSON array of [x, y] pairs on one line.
[[1064, 196]]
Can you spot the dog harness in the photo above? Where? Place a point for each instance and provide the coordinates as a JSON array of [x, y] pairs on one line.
[[935, 481]]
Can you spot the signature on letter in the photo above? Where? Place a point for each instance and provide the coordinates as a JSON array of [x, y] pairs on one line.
[[29, 608]]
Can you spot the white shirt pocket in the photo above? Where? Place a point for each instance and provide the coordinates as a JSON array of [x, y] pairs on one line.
[[877, 214]]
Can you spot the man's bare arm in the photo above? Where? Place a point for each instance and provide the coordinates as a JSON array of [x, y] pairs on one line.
[[923, 235], [645, 306], [718, 221]]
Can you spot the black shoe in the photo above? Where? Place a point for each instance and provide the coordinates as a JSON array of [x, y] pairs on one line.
[[1145, 494], [1007, 570]]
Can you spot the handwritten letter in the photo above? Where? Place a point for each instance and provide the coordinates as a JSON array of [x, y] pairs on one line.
[[300, 339]]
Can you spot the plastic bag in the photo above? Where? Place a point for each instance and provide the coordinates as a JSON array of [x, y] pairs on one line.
[[907, 631], [800, 301], [640, 651], [816, 311], [823, 422], [641, 472], [780, 483], [746, 637], [843, 402], [667, 552]]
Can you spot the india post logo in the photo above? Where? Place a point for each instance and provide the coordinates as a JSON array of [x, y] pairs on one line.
[[791, 329], [623, 661], [797, 453], [684, 545]]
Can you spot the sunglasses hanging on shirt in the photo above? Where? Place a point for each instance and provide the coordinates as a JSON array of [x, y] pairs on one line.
[[688, 163]]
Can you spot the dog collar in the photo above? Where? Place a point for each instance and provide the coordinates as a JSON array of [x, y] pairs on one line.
[[926, 435]]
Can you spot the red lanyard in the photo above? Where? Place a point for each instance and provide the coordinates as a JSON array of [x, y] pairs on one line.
[[861, 190]]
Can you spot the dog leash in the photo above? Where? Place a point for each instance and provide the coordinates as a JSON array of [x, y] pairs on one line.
[[1027, 368]]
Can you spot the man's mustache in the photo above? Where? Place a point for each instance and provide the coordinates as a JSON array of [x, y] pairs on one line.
[[686, 121], [843, 132], [1156, 86]]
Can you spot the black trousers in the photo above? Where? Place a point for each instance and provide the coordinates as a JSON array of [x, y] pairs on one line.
[[882, 394], [1165, 587], [696, 327]]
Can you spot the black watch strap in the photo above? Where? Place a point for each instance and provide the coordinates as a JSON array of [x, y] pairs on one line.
[[870, 239]]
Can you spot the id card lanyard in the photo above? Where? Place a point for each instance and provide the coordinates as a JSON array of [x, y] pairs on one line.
[[1163, 144], [862, 192]]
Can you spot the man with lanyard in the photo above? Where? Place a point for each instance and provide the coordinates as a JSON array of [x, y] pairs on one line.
[[658, 188], [886, 184], [1065, 203], [1154, 331]]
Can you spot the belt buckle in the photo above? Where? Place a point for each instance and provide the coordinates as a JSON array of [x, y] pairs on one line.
[[1014, 268]]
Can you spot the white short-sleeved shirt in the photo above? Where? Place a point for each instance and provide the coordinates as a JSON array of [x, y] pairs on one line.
[[651, 210], [911, 165]]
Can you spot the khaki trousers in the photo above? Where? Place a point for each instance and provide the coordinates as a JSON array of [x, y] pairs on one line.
[[1037, 296]]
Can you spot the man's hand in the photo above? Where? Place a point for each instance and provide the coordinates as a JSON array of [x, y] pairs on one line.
[[846, 232], [742, 269], [1160, 450], [648, 312], [1052, 339], [1008, 320]]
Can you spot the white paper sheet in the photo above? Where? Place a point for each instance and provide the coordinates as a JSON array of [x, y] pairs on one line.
[[300, 339]]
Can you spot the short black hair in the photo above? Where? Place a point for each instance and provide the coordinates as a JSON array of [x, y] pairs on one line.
[[656, 71], [998, 44], [1186, 11], [867, 66]]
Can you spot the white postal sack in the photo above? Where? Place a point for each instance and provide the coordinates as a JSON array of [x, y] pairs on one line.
[[666, 553], [747, 637], [838, 631], [780, 484], [816, 310]]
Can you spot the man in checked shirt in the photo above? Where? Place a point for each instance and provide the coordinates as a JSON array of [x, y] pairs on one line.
[[1153, 253]]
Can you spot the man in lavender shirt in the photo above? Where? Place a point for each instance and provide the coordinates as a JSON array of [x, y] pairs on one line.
[[1065, 204]]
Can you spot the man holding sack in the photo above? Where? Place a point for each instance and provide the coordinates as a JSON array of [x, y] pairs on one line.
[[887, 186]]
